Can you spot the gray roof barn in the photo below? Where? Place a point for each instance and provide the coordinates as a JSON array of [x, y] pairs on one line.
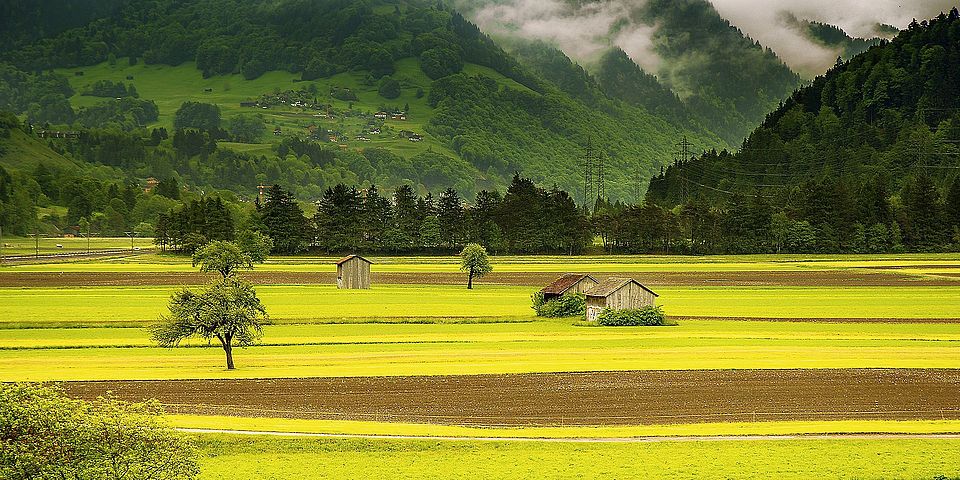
[[618, 293]]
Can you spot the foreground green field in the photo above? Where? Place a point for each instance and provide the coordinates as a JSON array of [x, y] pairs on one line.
[[435, 349], [282, 458], [139, 306]]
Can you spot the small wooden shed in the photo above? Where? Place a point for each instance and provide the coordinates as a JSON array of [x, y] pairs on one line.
[[568, 283], [353, 272], [618, 294]]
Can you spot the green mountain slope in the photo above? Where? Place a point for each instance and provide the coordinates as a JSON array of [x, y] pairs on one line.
[[875, 141], [833, 37], [337, 56], [726, 80]]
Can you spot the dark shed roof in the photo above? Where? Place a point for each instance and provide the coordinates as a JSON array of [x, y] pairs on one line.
[[613, 284], [351, 257], [565, 282]]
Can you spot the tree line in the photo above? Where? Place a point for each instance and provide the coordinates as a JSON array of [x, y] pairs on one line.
[[524, 219]]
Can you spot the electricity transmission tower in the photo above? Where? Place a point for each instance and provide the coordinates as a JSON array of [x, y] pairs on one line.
[[588, 174]]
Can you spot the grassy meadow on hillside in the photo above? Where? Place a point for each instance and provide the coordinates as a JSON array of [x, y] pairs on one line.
[[170, 87]]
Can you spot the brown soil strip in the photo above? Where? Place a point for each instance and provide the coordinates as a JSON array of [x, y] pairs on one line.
[[596, 398], [850, 278]]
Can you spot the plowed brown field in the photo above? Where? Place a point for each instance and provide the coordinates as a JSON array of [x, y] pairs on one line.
[[598, 398], [850, 278]]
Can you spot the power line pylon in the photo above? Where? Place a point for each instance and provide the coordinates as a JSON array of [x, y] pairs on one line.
[[601, 184], [588, 175]]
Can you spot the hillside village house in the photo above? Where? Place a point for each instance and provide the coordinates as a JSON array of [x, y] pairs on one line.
[[568, 283], [353, 272], [618, 294]]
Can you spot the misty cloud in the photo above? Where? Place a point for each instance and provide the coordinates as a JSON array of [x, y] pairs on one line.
[[766, 21], [585, 30]]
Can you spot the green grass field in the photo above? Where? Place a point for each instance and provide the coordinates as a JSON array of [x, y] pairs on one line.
[[49, 245], [137, 306], [170, 86], [282, 458], [430, 330], [907, 263], [415, 349]]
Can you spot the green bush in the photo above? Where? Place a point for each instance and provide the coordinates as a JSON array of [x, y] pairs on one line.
[[570, 305], [640, 317]]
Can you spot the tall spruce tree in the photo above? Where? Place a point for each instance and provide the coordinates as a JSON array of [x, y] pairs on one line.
[[284, 221]]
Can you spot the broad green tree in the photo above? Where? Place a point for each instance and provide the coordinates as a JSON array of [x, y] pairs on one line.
[[229, 311], [46, 435], [222, 257], [255, 244], [474, 261]]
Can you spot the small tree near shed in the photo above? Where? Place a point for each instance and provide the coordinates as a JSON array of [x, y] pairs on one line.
[[474, 260], [228, 310]]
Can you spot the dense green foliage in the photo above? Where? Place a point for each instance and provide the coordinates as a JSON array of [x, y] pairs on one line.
[[862, 160], [638, 317], [46, 435], [521, 121], [525, 219], [228, 310], [566, 305], [727, 79]]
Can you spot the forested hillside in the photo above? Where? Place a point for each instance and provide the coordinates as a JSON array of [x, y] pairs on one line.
[[688, 61], [865, 158], [472, 114]]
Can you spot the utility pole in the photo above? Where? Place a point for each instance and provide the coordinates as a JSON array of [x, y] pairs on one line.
[[588, 175], [1, 244], [601, 187], [131, 235], [683, 155]]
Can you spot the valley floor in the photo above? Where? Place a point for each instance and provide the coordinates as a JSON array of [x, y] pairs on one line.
[[765, 346]]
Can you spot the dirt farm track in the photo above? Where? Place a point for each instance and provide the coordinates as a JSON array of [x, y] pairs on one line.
[[596, 398]]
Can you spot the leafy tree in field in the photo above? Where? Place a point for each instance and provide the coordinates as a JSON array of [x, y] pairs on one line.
[[46, 435], [255, 244], [227, 310], [222, 257], [202, 116], [474, 261], [389, 88]]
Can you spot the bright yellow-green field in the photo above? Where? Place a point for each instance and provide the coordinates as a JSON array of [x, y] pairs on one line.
[[230, 457], [906, 263], [383, 429], [431, 330], [434, 349], [48, 246], [138, 306]]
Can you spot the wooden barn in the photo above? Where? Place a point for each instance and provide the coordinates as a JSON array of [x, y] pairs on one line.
[[618, 294], [353, 272], [568, 283]]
